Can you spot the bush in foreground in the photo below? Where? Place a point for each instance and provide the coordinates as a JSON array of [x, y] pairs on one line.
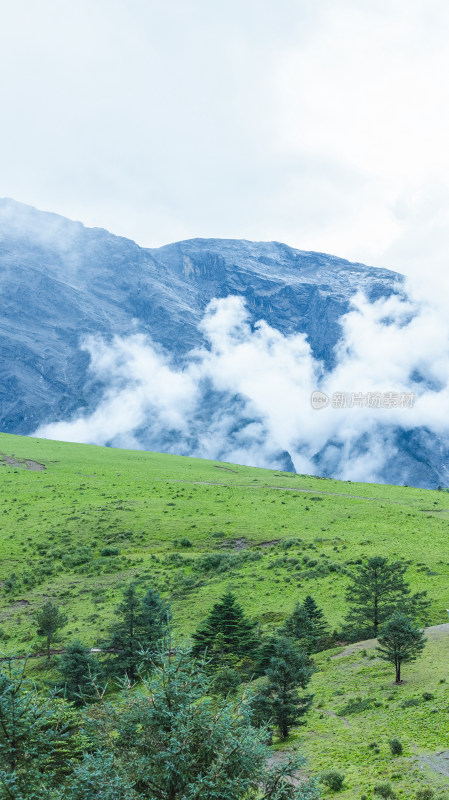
[[333, 779], [167, 738], [395, 747]]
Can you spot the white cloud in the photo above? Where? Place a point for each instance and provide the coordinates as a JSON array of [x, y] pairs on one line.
[[245, 396]]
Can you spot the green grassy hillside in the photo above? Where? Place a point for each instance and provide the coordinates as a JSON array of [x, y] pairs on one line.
[[79, 521], [270, 536], [353, 736]]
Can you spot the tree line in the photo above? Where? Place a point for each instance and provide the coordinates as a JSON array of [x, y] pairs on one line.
[[122, 706]]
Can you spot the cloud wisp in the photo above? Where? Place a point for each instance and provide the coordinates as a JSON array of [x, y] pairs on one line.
[[245, 397]]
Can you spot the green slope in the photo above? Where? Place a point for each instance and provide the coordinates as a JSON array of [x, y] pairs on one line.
[[340, 735], [272, 537]]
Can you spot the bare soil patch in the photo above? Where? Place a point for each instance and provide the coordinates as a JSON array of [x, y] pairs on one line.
[[26, 463]]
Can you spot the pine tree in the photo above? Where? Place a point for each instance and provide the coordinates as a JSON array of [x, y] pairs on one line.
[[400, 642], [79, 670], [300, 627], [378, 589], [266, 652], [140, 626], [50, 620], [227, 625], [320, 627], [97, 777], [280, 700], [174, 740], [31, 729]]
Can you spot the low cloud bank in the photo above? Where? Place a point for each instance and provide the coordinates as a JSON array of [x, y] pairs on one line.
[[245, 397]]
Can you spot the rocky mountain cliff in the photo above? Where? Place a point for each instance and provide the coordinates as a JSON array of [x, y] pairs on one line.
[[60, 281]]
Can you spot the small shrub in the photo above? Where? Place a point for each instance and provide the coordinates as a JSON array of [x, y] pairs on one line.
[[395, 747], [293, 542], [425, 794], [427, 696], [185, 542], [109, 551], [384, 790], [333, 780], [412, 701], [356, 706]]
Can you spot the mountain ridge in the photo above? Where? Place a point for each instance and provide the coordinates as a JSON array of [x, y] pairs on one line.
[[61, 282]]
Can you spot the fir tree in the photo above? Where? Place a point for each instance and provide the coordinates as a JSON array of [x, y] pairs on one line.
[[300, 627], [320, 627], [378, 589], [97, 777], [266, 652], [79, 671], [173, 741], [140, 626], [279, 700], [50, 620], [31, 729], [400, 642], [227, 625], [154, 619]]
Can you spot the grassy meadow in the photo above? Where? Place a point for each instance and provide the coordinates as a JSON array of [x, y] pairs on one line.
[[84, 520]]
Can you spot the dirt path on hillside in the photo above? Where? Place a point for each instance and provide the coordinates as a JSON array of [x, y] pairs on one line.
[[433, 632], [34, 466]]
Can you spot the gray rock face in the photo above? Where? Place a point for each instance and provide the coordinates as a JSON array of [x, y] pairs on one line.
[[60, 281]]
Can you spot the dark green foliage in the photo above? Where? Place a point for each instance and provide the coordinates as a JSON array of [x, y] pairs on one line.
[[50, 620], [300, 628], [384, 790], [400, 642], [167, 740], [426, 793], [31, 728], [411, 702], [79, 671], [172, 741], [266, 652], [106, 552], [357, 706], [333, 779], [321, 630], [224, 562], [377, 589], [395, 747], [226, 632], [307, 626], [97, 777], [185, 542], [140, 625], [226, 681], [279, 700]]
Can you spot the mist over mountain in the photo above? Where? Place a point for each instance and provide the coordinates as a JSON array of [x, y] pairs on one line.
[[212, 348]]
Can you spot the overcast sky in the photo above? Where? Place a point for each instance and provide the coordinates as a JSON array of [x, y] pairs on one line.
[[320, 123]]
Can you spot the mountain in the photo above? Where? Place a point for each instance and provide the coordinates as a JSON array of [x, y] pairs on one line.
[[60, 281]]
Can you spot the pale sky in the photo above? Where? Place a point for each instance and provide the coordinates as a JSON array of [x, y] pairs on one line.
[[320, 123]]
